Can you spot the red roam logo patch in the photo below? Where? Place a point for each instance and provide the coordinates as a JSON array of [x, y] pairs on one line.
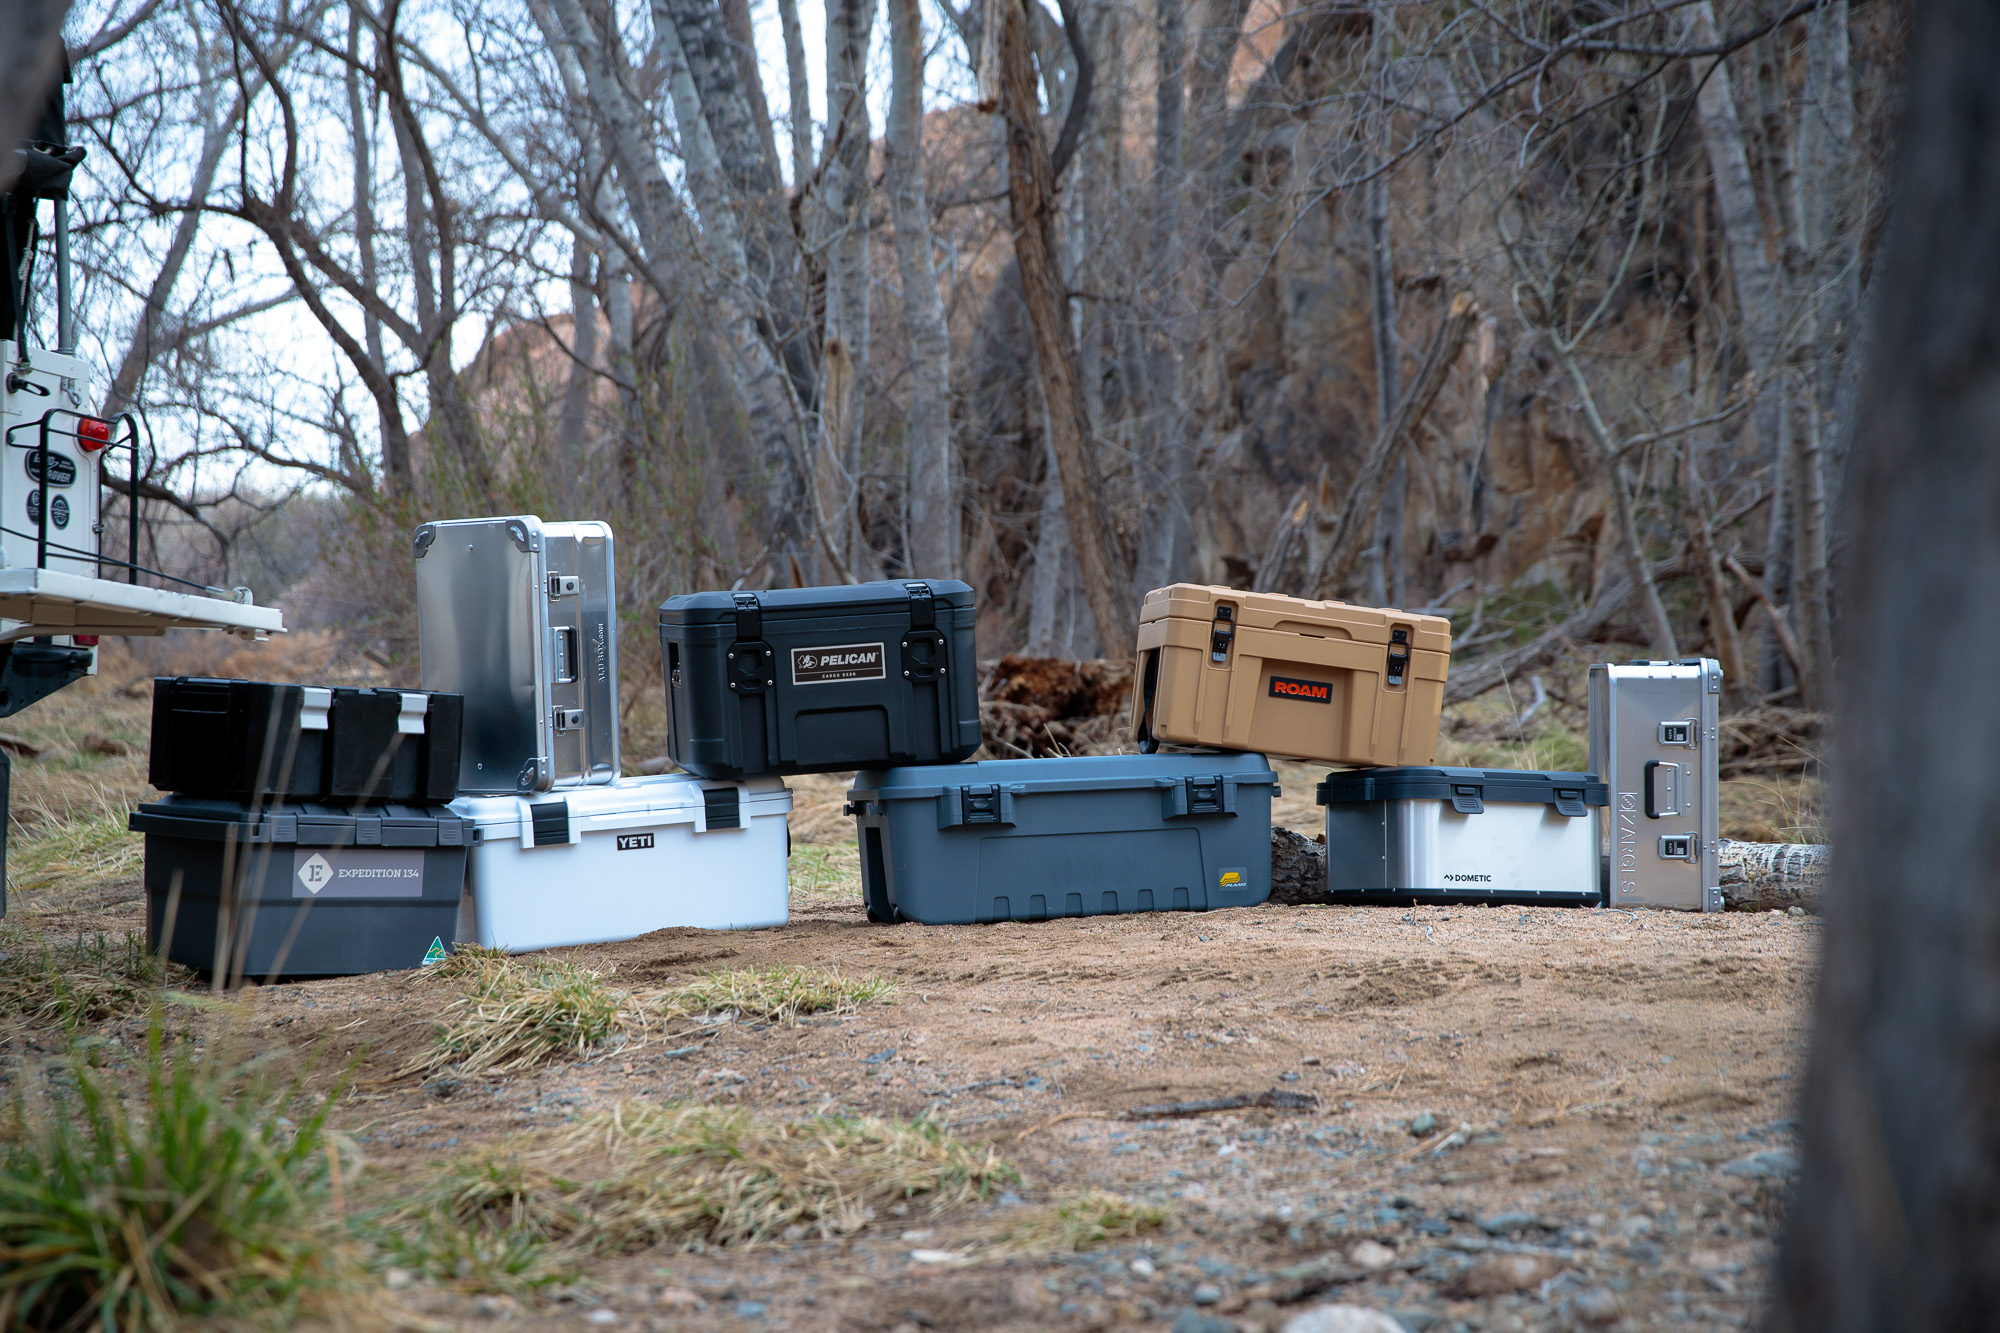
[[1316, 691]]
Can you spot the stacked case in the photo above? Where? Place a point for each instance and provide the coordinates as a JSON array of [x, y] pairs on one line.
[[307, 831], [521, 617]]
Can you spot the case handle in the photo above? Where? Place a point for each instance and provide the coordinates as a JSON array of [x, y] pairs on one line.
[[1662, 797]]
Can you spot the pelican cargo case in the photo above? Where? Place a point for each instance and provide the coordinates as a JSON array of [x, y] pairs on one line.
[[642, 854], [1653, 738], [298, 888], [1024, 839], [1398, 835], [818, 680], [1320, 681], [246, 740], [519, 616]]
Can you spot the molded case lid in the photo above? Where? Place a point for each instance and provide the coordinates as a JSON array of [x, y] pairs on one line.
[[641, 802], [711, 608], [1466, 788], [305, 823], [1298, 615], [1081, 773]]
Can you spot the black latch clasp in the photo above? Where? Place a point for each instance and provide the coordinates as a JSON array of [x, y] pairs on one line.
[[1221, 634], [925, 648], [1466, 798], [1569, 802], [964, 807], [752, 662], [1399, 656], [549, 821], [1208, 794]]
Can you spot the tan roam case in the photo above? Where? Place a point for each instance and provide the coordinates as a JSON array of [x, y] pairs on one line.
[[1320, 681]]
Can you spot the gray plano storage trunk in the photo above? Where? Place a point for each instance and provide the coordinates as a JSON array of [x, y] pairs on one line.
[[520, 617], [299, 889], [1653, 741], [1025, 839], [820, 680], [1472, 835]]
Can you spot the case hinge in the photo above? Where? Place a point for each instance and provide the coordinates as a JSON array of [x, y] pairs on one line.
[[722, 808], [1399, 656]]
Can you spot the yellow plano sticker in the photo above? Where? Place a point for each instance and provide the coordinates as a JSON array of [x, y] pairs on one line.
[[1230, 878]]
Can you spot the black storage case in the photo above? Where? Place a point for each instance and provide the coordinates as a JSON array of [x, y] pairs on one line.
[[819, 680], [301, 889], [245, 740]]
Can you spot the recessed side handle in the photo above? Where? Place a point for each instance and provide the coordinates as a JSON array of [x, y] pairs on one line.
[[1663, 788]]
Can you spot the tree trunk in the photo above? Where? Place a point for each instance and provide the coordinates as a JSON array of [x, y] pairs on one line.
[[1163, 535], [1387, 561], [1708, 564], [800, 114], [582, 376], [1652, 612], [1356, 516], [1030, 185], [932, 496], [1896, 1218], [396, 465], [844, 195]]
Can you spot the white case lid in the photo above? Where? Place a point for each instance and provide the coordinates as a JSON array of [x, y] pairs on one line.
[[637, 802]]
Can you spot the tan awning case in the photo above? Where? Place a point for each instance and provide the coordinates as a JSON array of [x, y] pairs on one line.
[[1321, 681]]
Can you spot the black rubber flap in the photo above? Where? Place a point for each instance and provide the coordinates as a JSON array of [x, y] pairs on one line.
[[712, 608], [1469, 790], [302, 823], [551, 822], [724, 807]]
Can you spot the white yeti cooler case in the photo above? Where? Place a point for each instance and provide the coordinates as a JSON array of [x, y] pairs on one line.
[[595, 864], [1400, 835], [520, 617], [1653, 741]]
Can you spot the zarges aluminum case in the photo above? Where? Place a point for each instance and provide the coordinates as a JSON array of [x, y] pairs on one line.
[[1320, 681], [820, 680], [265, 891], [595, 864], [1653, 741], [1025, 839], [244, 740], [1400, 835], [520, 617]]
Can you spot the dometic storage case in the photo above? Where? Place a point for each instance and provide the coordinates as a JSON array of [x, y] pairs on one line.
[[1023, 839], [816, 680], [300, 889], [607, 863], [1652, 739], [1462, 835], [1323, 681], [518, 616], [243, 740]]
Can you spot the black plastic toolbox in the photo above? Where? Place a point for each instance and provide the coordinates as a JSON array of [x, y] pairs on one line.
[[299, 888], [243, 740], [818, 680]]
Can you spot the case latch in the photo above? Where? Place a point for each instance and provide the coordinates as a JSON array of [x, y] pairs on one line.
[[1399, 656], [722, 808], [1204, 794], [1686, 732], [749, 616], [1221, 634], [965, 807], [1679, 846], [549, 823], [1468, 798], [568, 719], [1569, 802], [564, 585], [752, 662]]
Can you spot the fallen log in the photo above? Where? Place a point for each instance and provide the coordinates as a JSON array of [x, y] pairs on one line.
[[1771, 876], [1298, 869]]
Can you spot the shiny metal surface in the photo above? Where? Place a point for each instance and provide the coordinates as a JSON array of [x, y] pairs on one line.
[[482, 624], [1659, 714], [582, 601]]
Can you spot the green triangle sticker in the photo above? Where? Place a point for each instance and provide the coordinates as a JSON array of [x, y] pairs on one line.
[[435, 954]]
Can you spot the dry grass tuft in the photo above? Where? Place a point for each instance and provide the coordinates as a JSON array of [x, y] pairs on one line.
[[1069, 1225], [520, 1012], [780, 994], [64, 982], [643, 1175], [82, 848]]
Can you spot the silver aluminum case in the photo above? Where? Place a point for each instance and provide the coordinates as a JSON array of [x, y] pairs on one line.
[[519, 616], [1639, 713], [1516, 851]]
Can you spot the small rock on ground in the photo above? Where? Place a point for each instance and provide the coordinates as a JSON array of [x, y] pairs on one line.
[[1342, 1319]]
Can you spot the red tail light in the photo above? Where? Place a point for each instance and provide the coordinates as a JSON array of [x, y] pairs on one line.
[[84, 640], [93, 434]]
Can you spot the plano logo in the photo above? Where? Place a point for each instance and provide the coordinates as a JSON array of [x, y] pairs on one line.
[[634, 842], [1468, 879], [1313, 691], [845, 661]]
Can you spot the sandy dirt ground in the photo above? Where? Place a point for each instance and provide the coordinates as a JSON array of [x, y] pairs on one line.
[[1512, 1118]]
